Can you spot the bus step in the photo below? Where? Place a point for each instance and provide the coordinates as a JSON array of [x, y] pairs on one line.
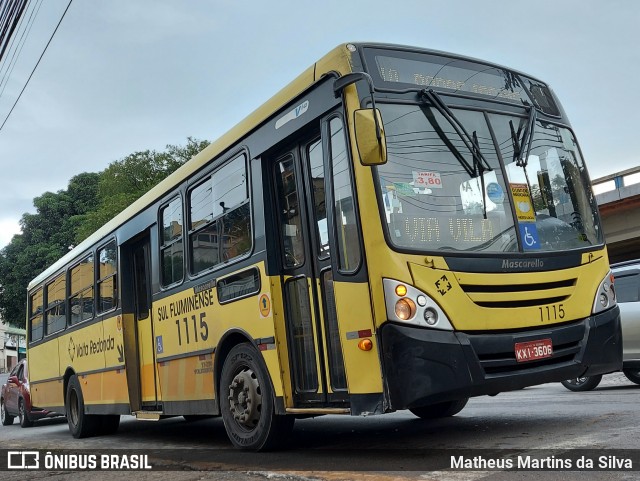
[[148, 415], [318, 410]]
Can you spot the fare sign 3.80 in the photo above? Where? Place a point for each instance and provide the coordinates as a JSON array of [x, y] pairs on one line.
[[533, 350]]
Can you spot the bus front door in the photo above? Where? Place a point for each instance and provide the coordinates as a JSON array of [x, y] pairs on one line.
[[315, 355]]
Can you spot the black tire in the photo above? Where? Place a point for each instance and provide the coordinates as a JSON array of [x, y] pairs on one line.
[[109, 423], [440, 410], [633, 375], [5, 417], [81, 425], [23, 415], [247, 402], [584, 383]]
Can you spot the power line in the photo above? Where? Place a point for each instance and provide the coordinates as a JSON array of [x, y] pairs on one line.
[[36, 66], [18, 49], [10, 15]]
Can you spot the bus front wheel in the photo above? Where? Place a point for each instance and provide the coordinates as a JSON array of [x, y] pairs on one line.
[[81, 425], [247, 402], [440, 410]]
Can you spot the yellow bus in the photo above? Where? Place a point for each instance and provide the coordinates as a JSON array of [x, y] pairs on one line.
[[398, 228]]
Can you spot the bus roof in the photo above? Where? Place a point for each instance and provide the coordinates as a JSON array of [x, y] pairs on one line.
[[337, 60]]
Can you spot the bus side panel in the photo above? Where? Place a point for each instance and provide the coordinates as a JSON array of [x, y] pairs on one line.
[[48, 393], [353, 305], [187, 378], [114, 380], [278, 359], [188, 326], [83, 351]]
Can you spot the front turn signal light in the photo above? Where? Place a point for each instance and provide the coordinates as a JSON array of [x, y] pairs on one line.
[[365, 345]]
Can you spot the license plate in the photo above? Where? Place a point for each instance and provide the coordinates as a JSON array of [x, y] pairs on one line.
[[533, 350]]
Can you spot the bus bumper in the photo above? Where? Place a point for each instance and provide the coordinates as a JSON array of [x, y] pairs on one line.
[[424, 366]]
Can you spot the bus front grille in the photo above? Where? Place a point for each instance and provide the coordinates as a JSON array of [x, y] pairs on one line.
[[519, 295]]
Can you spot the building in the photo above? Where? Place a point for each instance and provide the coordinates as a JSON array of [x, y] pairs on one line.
[[618, 197], [13, 346]]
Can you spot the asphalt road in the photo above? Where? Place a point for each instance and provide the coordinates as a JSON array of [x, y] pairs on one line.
[[544, 422]]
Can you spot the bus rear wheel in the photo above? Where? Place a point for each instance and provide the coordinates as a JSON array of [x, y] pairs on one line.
[[247, 402], [440, 410], [81, 425]]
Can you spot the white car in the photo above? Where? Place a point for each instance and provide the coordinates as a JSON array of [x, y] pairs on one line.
[[627, 286]]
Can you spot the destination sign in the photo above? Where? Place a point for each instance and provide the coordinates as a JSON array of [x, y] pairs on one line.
[[453, 74], [391, 68]]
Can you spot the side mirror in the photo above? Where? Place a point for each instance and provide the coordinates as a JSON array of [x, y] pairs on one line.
[[370, 139], [13, 380]]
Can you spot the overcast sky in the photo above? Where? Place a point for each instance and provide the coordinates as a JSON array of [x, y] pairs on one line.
[[123, 76]]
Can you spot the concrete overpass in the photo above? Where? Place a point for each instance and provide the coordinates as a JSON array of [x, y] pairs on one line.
[[618, 197]]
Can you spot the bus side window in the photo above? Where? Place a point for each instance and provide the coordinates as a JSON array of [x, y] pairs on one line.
[[81, 300], [55, 314], [172, 257], [220, 217], [107, 293], [344, 201], [316, 166], [290, 218], [35, 316]]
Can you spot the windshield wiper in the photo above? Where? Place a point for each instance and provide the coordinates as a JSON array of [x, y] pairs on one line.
[[522, 150], [480, 163]]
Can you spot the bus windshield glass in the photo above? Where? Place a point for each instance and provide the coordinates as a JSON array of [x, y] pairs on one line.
[[432, 203]]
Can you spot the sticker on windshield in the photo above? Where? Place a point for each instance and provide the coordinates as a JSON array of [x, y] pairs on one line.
[[529, 235], [495, 193], [428, 180], [404, 188], [522, 202]]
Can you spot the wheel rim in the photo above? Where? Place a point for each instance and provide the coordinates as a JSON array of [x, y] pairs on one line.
[[73, 407], [245, 399], [21, 412], [2, 413], [578, 381]]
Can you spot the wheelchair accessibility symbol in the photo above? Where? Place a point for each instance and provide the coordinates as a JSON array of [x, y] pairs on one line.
[[529, 236]]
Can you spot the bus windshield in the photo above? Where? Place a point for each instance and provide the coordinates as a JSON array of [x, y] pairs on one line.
[[432, 202]]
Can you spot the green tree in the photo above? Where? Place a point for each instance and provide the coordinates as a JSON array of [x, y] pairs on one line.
[[46, 236], [125, 180], [67, 217]]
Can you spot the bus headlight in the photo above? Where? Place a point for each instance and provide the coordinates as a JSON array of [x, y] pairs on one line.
[[605, 296], [405, 309], [409, 305]]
